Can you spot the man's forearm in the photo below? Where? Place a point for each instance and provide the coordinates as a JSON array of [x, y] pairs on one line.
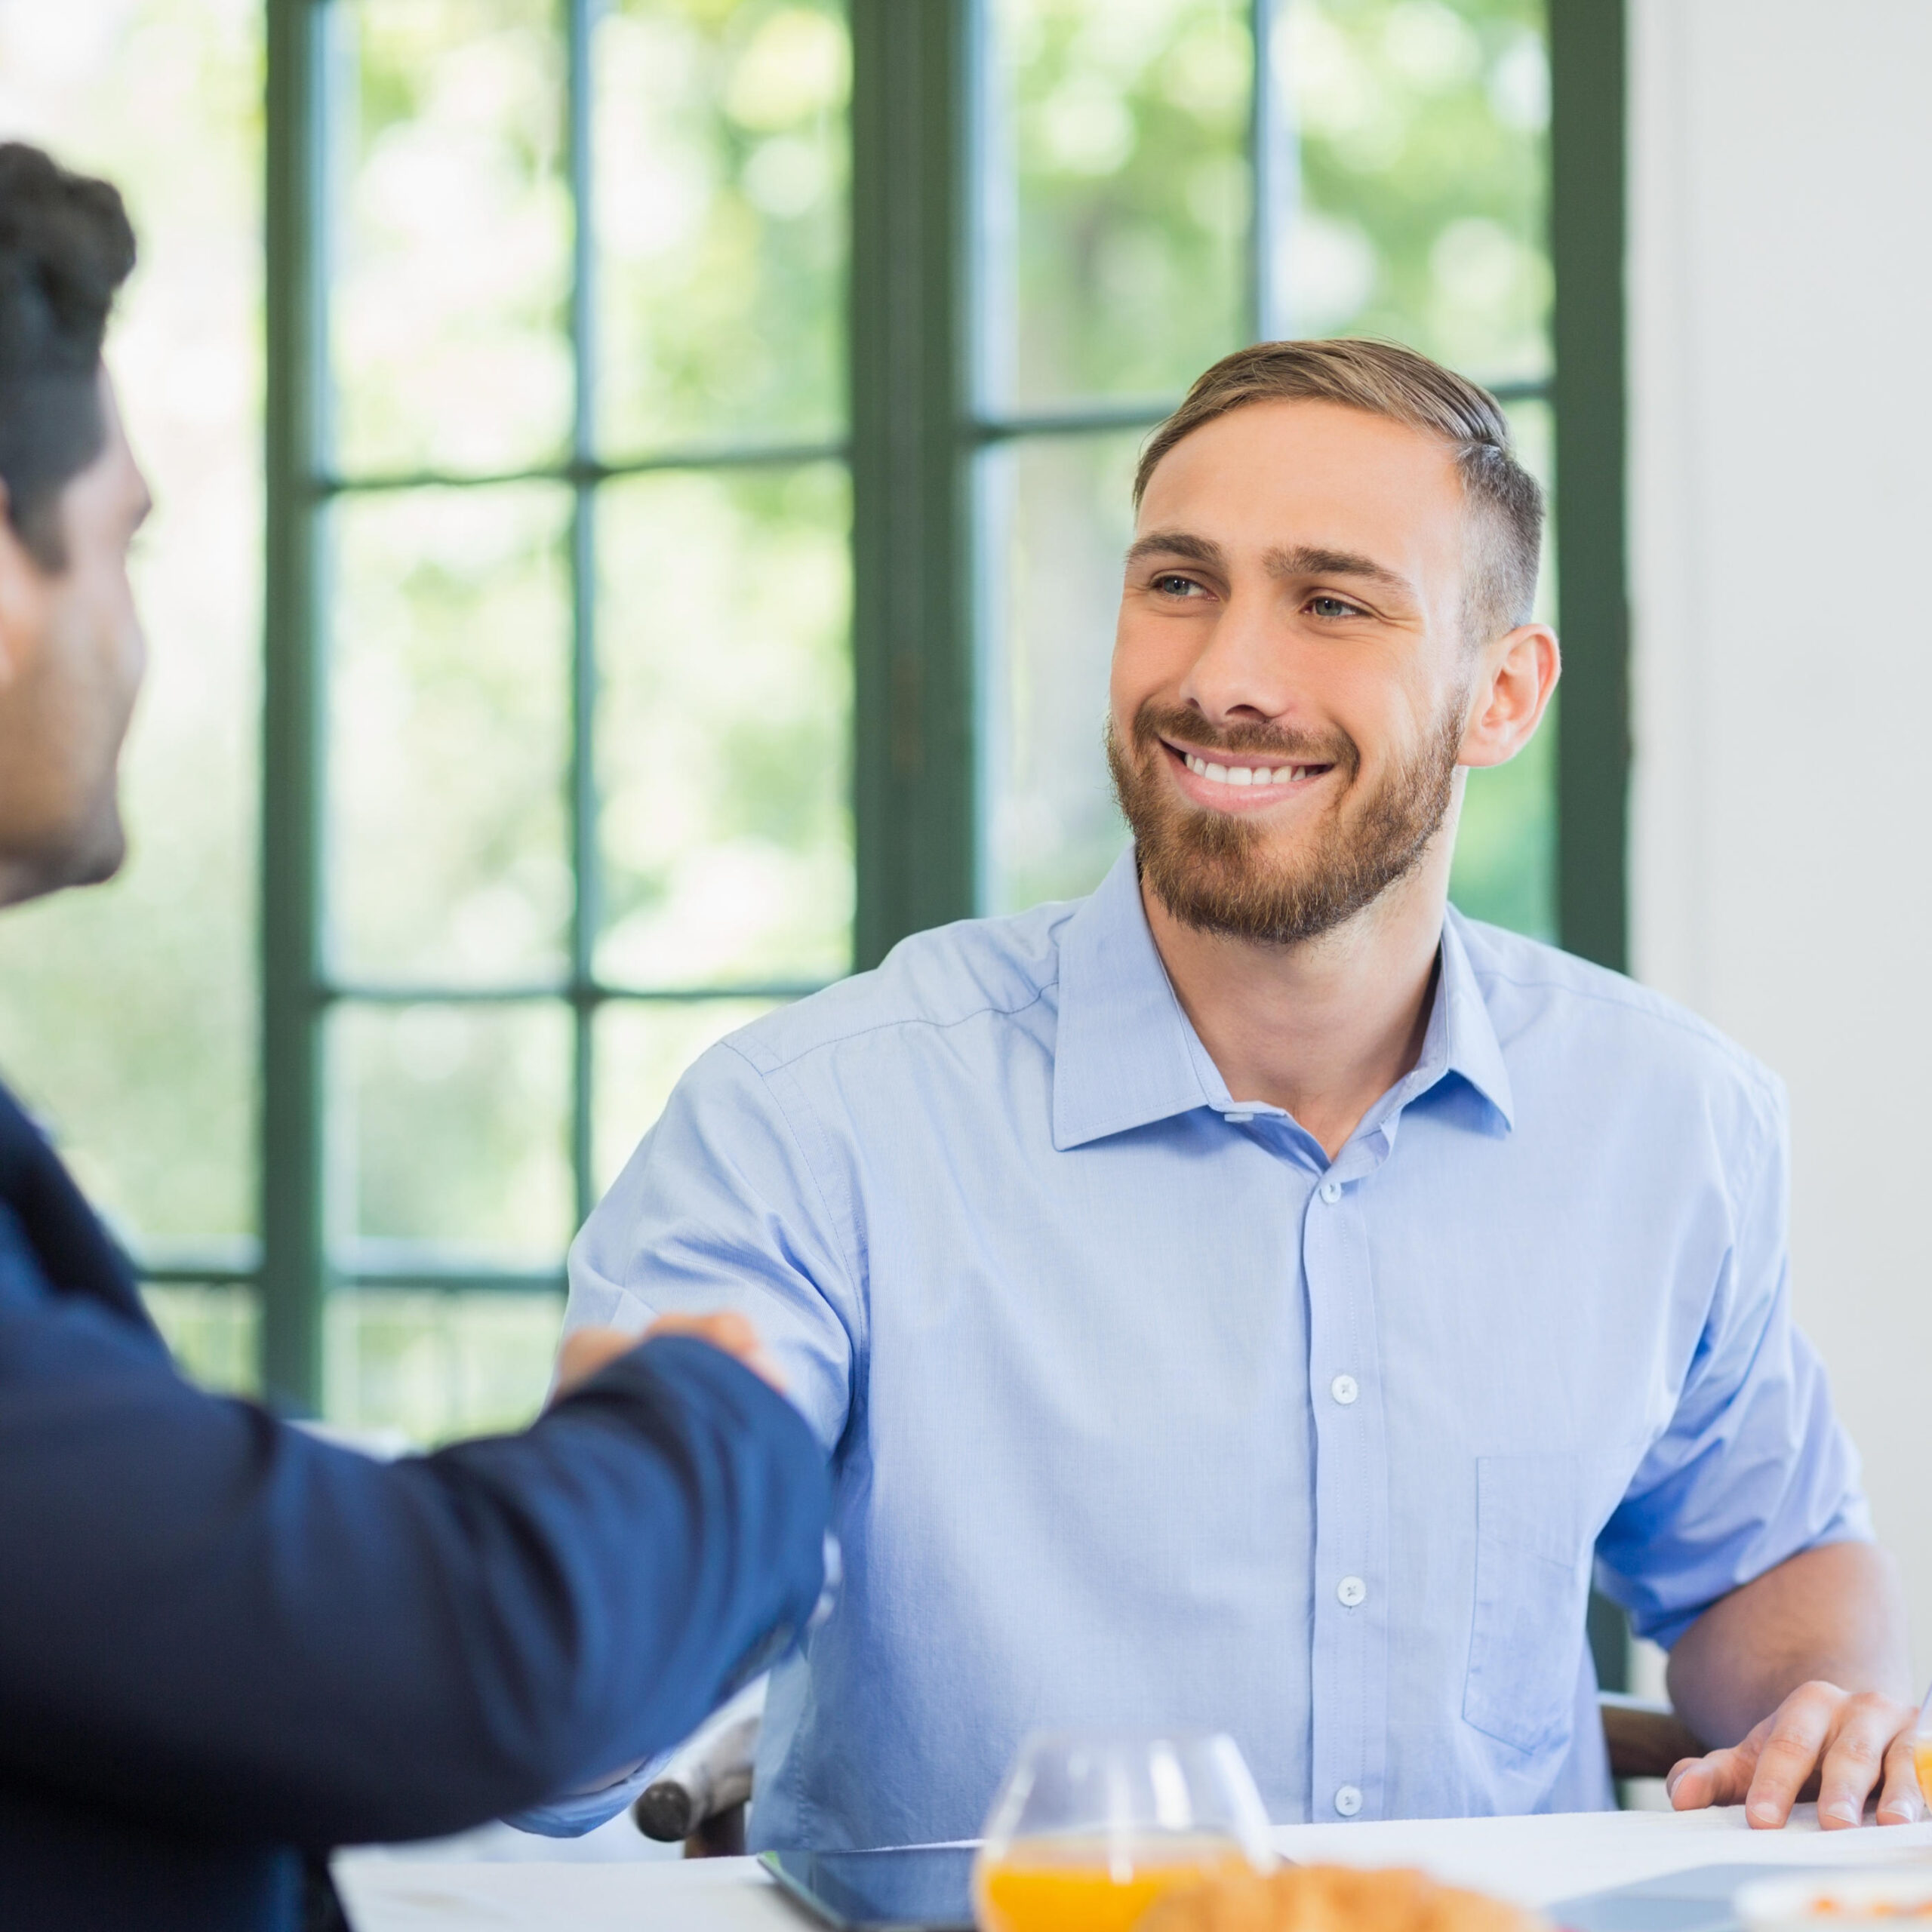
[[1837, 1613]]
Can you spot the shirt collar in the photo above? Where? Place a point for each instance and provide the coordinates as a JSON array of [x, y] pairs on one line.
[[1125, 1056]]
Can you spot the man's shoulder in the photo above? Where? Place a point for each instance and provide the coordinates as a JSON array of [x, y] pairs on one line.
[[1537, 992], [928, 984]]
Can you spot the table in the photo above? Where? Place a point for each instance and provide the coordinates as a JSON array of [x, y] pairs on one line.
[[1534, 1860]]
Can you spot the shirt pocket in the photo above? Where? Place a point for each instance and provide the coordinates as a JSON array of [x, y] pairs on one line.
[[1533, 1581]]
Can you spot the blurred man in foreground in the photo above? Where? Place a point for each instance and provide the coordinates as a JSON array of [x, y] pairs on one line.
[[222, 1641], [1252, 1297]]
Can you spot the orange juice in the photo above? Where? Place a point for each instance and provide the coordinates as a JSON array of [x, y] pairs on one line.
[[1921, 1763], [1084, 1884]]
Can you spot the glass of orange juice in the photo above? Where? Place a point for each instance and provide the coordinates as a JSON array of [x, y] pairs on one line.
[[1921, 1750], [1090, 1829]]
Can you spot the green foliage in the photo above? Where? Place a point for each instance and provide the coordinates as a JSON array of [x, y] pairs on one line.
[[722, 166], [451, 216], [1120, 186], [1423, 177], [724, 728], [449, 735]]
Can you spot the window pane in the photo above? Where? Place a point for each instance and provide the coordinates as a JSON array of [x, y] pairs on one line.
[[1424, 180], [720, 220], [448, 1136], [1505, 849], [1116, 196], [212, 1331], [642, 1047], [450, 741], [450, 284], [435, 1365], [128, 1013], [723, 745], [1057, 518]]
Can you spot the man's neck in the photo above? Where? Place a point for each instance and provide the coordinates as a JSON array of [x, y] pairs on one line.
[[1325, 1029]]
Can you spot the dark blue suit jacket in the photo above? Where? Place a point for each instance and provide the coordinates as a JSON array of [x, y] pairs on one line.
[[223, 1642]]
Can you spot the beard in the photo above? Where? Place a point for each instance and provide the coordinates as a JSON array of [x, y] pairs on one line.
[[1214, 871]]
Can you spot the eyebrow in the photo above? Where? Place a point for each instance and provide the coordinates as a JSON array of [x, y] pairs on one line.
[[1177, 543], [1312, 560], [1295, 560]]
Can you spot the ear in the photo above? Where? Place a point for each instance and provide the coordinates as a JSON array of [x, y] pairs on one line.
[[23, 599], [1517, 673]]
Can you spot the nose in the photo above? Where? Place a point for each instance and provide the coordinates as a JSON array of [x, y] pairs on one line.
[[1244, 670]]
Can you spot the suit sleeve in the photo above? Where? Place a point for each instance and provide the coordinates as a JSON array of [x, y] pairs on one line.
[[212, 1619]]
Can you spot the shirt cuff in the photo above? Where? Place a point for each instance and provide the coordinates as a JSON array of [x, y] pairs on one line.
[[576, 1812]]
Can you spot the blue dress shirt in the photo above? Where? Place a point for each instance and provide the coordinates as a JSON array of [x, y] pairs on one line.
[[1146, 1412]]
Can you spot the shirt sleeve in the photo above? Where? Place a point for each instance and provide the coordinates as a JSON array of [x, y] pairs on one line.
[[1755, 1466], [723, 1207], [576, 1813]]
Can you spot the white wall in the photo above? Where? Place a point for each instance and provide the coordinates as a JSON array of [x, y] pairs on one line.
[[1781, 366]]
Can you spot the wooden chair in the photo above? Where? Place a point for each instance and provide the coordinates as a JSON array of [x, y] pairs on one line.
[[701, 1796], [1644, 1739]]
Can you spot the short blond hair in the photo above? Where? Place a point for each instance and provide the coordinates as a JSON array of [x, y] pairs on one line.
[[1384, 379]]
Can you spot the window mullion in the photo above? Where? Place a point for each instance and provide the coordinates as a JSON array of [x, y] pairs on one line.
[[293, 706], [583, 800], [914, 782], [1586, 62], [1272, 176]]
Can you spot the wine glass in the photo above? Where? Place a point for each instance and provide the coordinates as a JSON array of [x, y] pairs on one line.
[[1091, 1828]]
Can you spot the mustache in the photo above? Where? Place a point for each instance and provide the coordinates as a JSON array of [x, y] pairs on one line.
[[1154, 722]]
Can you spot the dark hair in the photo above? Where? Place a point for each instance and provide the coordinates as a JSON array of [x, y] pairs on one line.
[[65, 246], [1386, 379]]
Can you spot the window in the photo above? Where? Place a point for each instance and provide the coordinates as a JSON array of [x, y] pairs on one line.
[[566, 676], [698, 434]]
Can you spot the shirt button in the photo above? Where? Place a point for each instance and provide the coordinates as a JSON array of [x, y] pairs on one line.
[[1350, 1590], [1343, 1389], [1331, 1191], [1348, 1801]]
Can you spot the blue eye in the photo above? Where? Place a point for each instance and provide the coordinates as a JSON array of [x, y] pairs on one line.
[[1175, 586], [1332, 607]]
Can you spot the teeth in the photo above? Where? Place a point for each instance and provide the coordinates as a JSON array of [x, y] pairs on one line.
[[1244, 774]]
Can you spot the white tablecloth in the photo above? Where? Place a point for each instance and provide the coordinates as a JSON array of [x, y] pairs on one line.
[[1536, 1860]]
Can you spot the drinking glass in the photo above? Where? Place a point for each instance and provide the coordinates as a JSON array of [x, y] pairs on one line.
[[1090, 1829], [1921, 1749]]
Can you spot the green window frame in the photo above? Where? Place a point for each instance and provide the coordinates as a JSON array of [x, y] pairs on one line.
[[916, 430]]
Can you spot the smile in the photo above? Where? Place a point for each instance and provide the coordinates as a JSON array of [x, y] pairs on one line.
[[1250, 775], [1237, 784]]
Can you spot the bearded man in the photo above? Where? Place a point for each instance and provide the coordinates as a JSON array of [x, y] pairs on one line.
[[1256, 1297]]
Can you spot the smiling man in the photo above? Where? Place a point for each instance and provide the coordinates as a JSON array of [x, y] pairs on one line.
[[1256, 1296]]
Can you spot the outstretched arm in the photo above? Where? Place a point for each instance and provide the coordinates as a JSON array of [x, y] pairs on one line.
[[1807, 1667], [211, 1619]]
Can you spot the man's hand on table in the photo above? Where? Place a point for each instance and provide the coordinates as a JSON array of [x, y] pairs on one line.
[[585, 1351], [1832, 1616], [1850, 1745]]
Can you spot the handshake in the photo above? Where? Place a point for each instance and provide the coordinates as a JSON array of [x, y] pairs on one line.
[[587, 1350]]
